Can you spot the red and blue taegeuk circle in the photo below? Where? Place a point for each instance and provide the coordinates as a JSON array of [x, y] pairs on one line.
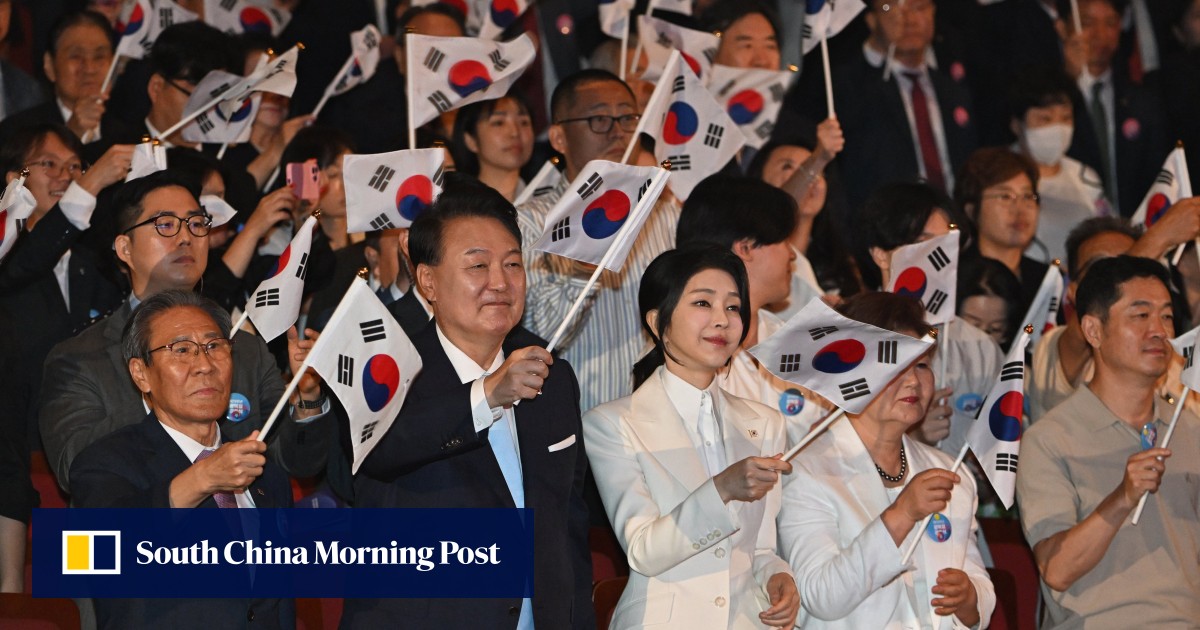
[[281, 264], [255, 20], [681, 123], [911, 283], [504, 12], [136, 20], [414, 196], [468, 77], [606, 214], [1004, 418], [1158, 206], [692, 63], [241, 114], [745, 106], [840, 356], [380, 381]]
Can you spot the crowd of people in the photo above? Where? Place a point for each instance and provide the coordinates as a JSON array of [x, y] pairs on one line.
[[1025, 132]]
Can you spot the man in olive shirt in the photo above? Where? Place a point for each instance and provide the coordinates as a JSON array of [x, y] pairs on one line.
[[1086, 464]]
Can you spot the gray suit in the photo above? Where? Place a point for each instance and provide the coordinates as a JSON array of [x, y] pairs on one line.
[[87, 393]]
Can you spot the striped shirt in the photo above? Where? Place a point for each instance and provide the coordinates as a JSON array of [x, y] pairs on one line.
[[606, 339]]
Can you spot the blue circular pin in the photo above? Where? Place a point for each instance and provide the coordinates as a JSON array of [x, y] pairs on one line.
[[938, 528], [968, 403], [791, 402], [239, 407], [1149, 435]]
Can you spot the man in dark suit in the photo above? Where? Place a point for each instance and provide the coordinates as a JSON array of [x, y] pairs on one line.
[[86, 394], [461, 441], [178, 353]]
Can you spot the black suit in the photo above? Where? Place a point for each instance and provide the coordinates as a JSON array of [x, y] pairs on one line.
[[409, 313], [112, 130], [20, 91], [132, 467], [432, 457]]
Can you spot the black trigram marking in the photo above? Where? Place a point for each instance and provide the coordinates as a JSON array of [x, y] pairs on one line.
[[543, 191], [789, 363], [206, 125], [936, 301], [593, 183], [680, 162], [302, 268], [1188, 355], [765, 129], [345, 370], [644, 189], [724, 91], [710, 54], [678, 85], [1012, 370], [433, 59], [888, 351], [373, 330], [938, 258], [817, 333], [1006, 462], [498, 60], [266, 297], [382, 177], [166, 17], [854, 389], [369, 40], [561, 230], [1053, 305], [663, 40], [713, 137], [382, 222], [220, 89], [228, 4], [368, 431], [439, 175], [1165, 177], [778, 91], [439, 100], [806, 32]]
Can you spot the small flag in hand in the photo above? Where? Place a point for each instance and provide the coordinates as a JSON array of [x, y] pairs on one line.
[[217, 208], [389, 190], [148, 157], [446, 73], [364, 60], [828, 18], [928, 271], [142, 21], [752, 98], [846, 361], [368, 362], [1172, 184], [1185, 345], [272, 74], [614, 16], [217, 125], [256, 17], [16, 205], [1043, 311], [302, 179], [995, 434], [660, 37], [488, 19], [275, 304]]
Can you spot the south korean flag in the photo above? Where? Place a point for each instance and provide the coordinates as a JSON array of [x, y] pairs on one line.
[[1172, 184], [275, 304], [142, 21], [15, 207], [660, 37], [928, 271], [752, 98], [614, 16], [218, 125], [445, 73], [389, 190], [605, 201], [845, 361], [1043, 311], [995, 435], [489, 19], [254, 17], [1185, 345]]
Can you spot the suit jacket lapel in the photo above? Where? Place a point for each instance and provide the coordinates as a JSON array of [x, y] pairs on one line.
[[660, 428], [744, 429], [862, 482]]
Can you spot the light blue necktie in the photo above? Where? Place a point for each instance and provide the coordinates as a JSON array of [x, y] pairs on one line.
[[504, 447]]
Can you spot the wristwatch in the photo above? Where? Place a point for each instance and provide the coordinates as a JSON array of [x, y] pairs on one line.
[[314, 404]]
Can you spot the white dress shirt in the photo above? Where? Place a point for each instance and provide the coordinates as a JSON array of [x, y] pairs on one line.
[[700, 419]]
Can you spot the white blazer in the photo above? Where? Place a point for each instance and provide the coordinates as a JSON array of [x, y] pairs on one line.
[[696, 562], [846, 564]]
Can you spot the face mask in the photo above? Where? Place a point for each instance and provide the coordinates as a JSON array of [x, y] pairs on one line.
[[1048, 144]]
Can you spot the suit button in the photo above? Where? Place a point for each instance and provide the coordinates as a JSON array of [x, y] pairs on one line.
[[720, 553], [250, 615], [513, 611], [720, 602]]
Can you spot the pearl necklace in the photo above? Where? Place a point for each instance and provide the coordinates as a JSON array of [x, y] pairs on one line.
[[903, 468]]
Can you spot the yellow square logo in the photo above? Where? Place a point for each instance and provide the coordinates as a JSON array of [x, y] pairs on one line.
[[91, 552]]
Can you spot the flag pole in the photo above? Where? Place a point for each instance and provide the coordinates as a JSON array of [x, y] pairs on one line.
[[813, 433], [1184, 178], [329, 88], [928, 517], [625, 45], [532, 186], [112, 69], [828, 77], [659, 89], [1137, 513], [1075, 16], [283, 400], [408, 70], [238, 326]]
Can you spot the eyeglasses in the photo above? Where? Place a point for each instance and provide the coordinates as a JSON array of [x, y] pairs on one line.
[[186, 351], [168, 225], [1011, 198], [172, 83], [54, 167], [601, 123]]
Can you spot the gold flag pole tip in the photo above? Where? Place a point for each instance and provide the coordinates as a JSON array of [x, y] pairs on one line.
[[666, 164], [364, 273], [316, 214], [1029, 329], [933, 332], [300, 45], [1057, 262], [25, 172]]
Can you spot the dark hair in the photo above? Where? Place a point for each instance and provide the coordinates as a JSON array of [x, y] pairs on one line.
[[135, 338], [24, 142], [1038, 86], [463, 197], [563, 97], [662, 286], [988, 167], [895, 215], [190, 50], [193, 166], [467, 123], [890, 311], [725, 209], [1100, 288], [1086, 231], [437, 8], [982, 276], [320, 143], [71, 20], [722, 14], [763, 155], [127, 202]]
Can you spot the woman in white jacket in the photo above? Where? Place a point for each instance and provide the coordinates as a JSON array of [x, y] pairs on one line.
[[688, 473], [857, 494]]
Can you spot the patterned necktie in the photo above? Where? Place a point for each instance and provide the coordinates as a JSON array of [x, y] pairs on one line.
[[929, 151], [223, 499], [1100, 127]]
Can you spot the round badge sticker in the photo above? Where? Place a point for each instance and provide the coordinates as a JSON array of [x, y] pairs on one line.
[[791, 402], [239, 407], [938, 528], [1149, 435], [968, 403]]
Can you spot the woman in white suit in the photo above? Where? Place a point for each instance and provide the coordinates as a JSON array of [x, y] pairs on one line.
[[688, 473], [858, 492]]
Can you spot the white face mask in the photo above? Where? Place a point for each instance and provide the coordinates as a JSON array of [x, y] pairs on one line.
[[1048, 144]]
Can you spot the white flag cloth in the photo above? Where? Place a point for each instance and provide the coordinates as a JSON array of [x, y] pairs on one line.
[[995, 435], [542, 184], [275, 304], [660, 37], [217, 124], [245, 16], [598, 203], [389, 190], [148, 157], [928, 271], [445, 73], [364, 59], [1172, 184], [683, 7], [1043, 311], [1185, 345], [488, 19], [824, 16], [16, 205], [690, 129], [217, 208], [752, 98], [368, 362], [272, 74], [142, 21], [846, 361], [614, 16]]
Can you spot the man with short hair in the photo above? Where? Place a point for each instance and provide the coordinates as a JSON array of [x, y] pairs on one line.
[[181, 57], [163, 242], [1087, 463], [177, 349]]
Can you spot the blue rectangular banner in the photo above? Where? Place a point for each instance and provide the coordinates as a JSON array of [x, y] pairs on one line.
[[282, 553]]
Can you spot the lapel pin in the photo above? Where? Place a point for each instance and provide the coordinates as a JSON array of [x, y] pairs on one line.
[[753, 432]]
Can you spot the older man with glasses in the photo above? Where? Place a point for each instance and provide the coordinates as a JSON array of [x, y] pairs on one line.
[[163, 243]]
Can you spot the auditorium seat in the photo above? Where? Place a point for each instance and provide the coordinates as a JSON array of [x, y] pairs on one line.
[[608, 561], [24, 612], [44, 483], [1012, 554], [318, 614], [604, 598], [1005, 585]]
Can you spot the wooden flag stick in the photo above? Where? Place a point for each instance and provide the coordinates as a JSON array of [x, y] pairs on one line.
[[813, 433], [625, 45], [408, 62], [1137, 513], [828, 76], [238, 326], [912, 546]]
